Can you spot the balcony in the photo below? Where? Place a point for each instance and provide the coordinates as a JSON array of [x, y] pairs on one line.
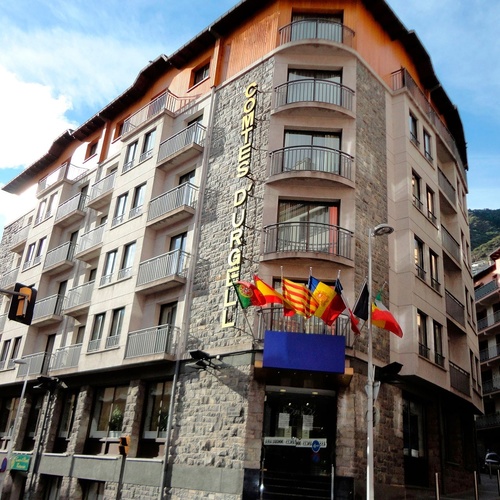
[[307, 159], [181, 147], [65, 173], [34, 261], [78, 299], [483, 292], [89, 244], [100, 194], [8, 280], [71, 211], [490, 353], [59, 258], [450, 245], [19, 239], [273, 319], [66, 357], [48, 311], [402, 79], [459, 379], [316, 29], [491, 386], [488, 421], [150, 341], [122, 274], [161, 273], [35, 364], [173, 206], [321, 241], [164, 102], [309, 90], [455, 309], [447, 188], [489, 322]]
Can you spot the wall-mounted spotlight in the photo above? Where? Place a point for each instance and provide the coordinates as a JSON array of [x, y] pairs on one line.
[[203, 361]]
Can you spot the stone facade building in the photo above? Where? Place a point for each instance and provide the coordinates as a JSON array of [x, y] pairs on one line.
[[272, 144]]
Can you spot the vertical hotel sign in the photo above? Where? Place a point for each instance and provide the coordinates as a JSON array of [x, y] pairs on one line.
[[240, 195]]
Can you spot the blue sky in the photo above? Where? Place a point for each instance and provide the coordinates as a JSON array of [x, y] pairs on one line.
[[61, 61]]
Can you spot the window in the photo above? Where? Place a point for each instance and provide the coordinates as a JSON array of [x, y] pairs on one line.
[[416, 182], [314, 85], [318, 151], [97, 330], [40, 212], [156, 418], [201, 73], [8, 410], [118, 130], [427, 146], [109, 267], [121, 202], [91, 149], [414, 129], [107, 417], [167, 314], [4, 355], [147, 147], [127, 261], [15, 351], [419, 258], [39, 250], [433, 261], [129, 157], [116, 327], [431, 206], [137, 201], [323, 26], [189, 177], [178, 259], [438, 343], [67, 417], [30, 253], [307, 227], [422, 334]]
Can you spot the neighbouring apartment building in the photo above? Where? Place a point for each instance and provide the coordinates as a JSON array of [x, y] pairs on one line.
[[270, 144], [488, 328]]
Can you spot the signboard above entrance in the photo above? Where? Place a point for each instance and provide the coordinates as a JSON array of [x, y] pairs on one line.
[[301, 351]]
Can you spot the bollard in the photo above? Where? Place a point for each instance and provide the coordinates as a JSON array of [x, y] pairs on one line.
[[498, 481], [476, 488], [437, 486]]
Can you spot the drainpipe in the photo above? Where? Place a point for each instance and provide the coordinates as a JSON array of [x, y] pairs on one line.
[[189, 294]]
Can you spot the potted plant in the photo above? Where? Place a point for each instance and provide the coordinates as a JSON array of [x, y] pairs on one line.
[[116, 422]]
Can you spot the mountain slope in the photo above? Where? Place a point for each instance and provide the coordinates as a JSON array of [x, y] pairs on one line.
[[484, 232]]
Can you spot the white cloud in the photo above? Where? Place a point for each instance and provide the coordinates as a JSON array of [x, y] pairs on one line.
[[32, 117], [12, 207]]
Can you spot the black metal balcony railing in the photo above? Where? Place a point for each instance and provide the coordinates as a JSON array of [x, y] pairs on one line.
[[459, 379], [454, 308], [439, 359], [312, 159], [273, 319], [486, 421], [154, 340], [311, 237], [485, 290], [435, 284], [421, 273], [490, 386], [488, 321], [423, 350], [418, 203], [447, 187], [319, 29], [193, 134], [314, 90]]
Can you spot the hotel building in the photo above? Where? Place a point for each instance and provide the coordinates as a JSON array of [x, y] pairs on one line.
[[272, 143]]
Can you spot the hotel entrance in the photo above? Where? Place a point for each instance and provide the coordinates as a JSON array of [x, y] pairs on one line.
[[299, 442]]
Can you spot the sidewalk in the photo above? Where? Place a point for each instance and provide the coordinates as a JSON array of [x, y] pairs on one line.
[[488, 490]]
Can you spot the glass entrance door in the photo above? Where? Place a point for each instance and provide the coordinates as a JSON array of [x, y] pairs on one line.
[[299, 432]]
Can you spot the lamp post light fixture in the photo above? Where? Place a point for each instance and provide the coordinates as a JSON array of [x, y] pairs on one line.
[[380, 230], [16, 418]]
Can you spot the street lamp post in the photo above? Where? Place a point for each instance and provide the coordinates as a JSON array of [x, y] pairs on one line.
[[379, 230], [16, 418]]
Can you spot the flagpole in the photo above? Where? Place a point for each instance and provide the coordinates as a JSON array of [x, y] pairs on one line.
[[379, 230]]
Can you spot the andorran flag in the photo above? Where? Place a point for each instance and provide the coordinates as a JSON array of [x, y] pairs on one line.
[[248, 294], [382, 317], [330, 302]]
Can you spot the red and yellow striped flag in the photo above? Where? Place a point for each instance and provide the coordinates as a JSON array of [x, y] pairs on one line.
[[299, 297]]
